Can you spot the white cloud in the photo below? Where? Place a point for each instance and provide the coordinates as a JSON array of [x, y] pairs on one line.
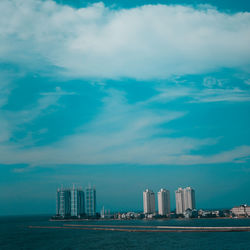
[[211, 82], [7, 84], [5, 89], [197, 95], [122, 133], [58, 92], [247, 81], [237, 155], [151, 41], [222, 95], [11, 120]]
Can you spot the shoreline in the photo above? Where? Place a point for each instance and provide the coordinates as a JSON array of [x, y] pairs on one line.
[[129, 228], [165, 219]]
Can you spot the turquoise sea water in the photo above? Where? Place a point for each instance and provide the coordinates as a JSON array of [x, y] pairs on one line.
[[15, 234]]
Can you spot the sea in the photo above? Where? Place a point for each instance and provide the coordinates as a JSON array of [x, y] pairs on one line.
[[16, 233]]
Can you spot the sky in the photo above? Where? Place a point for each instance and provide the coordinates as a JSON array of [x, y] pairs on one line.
[[124, 95]]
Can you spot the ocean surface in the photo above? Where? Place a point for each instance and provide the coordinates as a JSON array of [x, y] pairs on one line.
[[16, 234]]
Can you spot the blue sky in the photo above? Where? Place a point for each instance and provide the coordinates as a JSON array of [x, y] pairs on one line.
[[126, 96]]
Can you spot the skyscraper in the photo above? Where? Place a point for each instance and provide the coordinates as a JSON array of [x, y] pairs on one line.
[[70, 202], [185, 198], [63, 202], [77, 202], [90, 201], [163, 202], [189, 198], [148, 202], [179, 199]]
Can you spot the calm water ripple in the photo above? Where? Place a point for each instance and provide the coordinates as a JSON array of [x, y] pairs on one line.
[[16, 234]]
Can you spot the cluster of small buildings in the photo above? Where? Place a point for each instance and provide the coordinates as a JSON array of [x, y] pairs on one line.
[[214, 213], [75, 203], [184, 198], [128, 216]]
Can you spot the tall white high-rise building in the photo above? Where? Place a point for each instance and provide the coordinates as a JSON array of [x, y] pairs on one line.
[[77, 202], [185, 199], [179, 199], [148, 202], [163, 202], [189, 198]]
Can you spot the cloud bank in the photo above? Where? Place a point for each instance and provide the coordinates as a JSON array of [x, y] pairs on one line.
[[122, 133], [151, 41], [147, 42]]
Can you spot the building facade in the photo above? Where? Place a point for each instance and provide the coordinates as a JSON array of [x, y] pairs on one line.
[[185, 199], [63, 202], [189, 198], [179, 200], [90, 193], [77, 202], [163, 202], [242, 210], [70, 202], [148, 202]]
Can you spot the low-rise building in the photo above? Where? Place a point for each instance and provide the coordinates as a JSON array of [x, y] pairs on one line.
[[190, 213], [242, 210]]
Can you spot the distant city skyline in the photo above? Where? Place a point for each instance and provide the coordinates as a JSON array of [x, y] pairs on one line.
[[133, 95], [134, 204]]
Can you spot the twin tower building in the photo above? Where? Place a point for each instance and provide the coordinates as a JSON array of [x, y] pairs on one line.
[[74, 202], [185, 199]]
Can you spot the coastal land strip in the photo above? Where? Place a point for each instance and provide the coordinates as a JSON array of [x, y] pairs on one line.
[[131, 228]]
